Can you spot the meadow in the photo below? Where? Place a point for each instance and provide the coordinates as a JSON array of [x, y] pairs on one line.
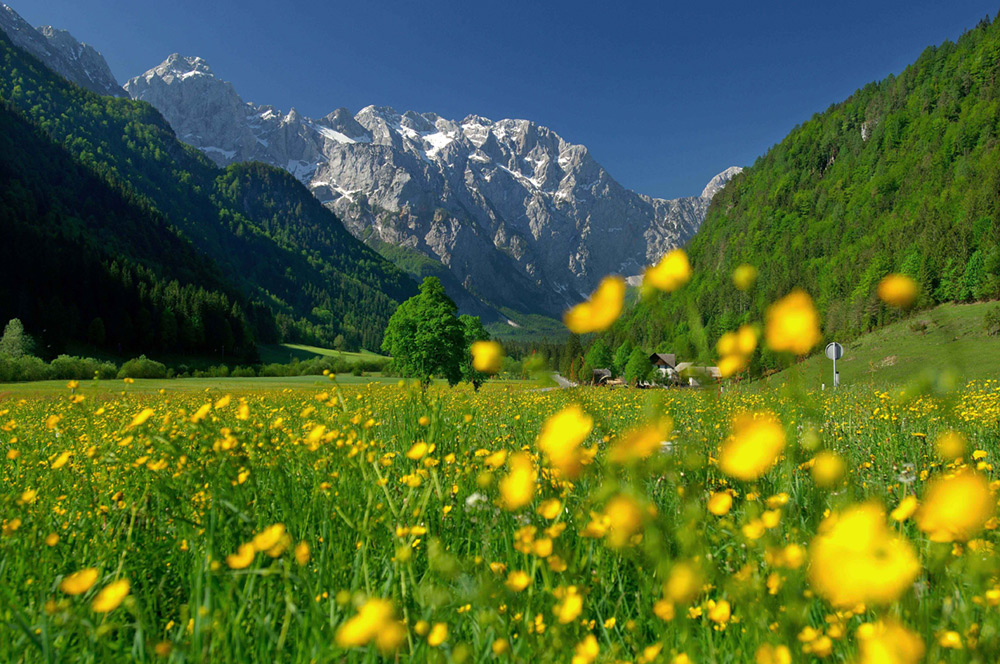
[[330, 522]]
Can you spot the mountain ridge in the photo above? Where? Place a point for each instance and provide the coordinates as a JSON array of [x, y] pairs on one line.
[[521, 217], [61, 52], [903, 176], [263, 232]]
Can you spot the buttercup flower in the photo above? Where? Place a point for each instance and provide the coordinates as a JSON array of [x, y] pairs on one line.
[[601, 310]]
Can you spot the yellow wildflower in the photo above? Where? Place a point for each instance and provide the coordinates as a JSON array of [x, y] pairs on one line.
[[80, 582], [792, 324], [561, 437], [601, 310], [955, 508], [744, 276], [672, 272], [517, 488], [487, 356], [111, 596], [857, 559], [898, 290], [753, 447]]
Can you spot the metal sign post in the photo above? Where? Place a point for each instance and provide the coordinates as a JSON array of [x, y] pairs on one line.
[[835, 351]]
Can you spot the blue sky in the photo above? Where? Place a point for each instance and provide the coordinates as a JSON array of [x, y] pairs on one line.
[[665, 94]]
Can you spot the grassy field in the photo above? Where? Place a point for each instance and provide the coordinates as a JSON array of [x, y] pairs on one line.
[[187, 385], [294, 520], [284, 353], [950, 338]]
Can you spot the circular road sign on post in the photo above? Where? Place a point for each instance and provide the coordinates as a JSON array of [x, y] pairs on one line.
[[835, 351]]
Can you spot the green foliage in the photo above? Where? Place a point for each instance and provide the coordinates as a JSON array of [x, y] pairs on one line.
[[67, 367], [638, 368], [571, 358], [64, 367], [992, 321], [142, 367], [902, 176], [598, 357], [621, 357], [15, 343], [424, 336], [473, 331]]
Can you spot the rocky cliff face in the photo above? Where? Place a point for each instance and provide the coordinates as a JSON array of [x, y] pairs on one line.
[[61, 53], [519, 216]]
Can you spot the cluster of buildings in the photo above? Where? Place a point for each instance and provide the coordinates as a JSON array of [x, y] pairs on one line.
[[670, 372]]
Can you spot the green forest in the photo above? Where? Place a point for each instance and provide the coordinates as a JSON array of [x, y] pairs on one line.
[[116, 235], [904, 176]]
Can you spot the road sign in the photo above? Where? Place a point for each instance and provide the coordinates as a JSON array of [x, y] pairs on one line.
[[835, 351]]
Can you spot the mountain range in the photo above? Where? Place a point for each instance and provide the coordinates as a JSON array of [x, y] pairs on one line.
[[519, 217], [512, 217]]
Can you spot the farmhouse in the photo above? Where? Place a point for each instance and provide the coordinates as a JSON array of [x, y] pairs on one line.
[[665, 363], [697, 376]]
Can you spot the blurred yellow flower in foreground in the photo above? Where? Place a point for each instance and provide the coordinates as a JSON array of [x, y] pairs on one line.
[[80, 582], [569, 606], [672, 272], [269, 538], [438, 635], [624, 519], [857, 559], [898, 290], [753, 447], [242, 558], [586, 651], [683, 583], [518, 487], [744, 276], [950, 445], [887, 642], [561, 437], [792, 324], [828, 469], [601, 310], [111, 596], [955, 507], [720, 503], [771, 654], [374, 621], [907, 506], [735, 349], [518, 581], [487, 356], [141, 417], [640, 443]]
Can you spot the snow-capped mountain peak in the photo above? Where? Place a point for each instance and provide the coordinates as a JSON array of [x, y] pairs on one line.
[[520, 216]]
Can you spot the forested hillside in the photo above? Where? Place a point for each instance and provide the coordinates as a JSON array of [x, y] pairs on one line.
[[903, 176], [126, 199], [82, 261]]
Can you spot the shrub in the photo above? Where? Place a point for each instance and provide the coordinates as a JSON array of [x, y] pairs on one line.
[[142, 367], [67, 367], [29, 367], [992, 321]]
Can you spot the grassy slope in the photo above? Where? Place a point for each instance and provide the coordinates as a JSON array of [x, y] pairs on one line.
[[955, 338], [282, 353]]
